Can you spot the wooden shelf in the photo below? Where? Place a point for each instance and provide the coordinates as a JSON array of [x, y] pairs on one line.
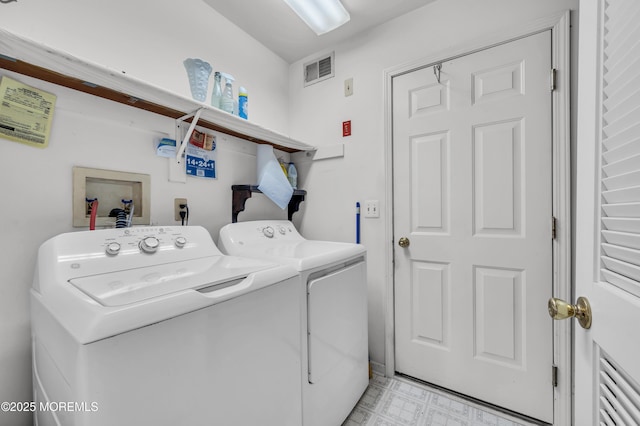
[[38, 61], [241, 193]]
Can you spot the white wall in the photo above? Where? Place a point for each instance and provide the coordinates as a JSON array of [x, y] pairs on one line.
[[317, 113], [148, 40]]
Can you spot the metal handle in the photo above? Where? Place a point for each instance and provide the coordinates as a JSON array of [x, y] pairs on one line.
[[559, 309], [404, 242]]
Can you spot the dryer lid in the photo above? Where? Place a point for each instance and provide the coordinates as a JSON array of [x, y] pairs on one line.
[[304, 255], [279, 241]]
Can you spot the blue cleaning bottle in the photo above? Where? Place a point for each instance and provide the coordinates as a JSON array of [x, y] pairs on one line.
[[243, 103]]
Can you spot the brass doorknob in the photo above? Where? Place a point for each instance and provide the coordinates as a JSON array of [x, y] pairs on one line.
[[404, 242], [559, 309]]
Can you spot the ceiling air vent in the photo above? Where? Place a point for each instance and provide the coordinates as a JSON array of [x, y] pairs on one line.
[[319, 69]]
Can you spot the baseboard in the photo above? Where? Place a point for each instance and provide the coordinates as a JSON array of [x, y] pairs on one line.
[[377, 367]]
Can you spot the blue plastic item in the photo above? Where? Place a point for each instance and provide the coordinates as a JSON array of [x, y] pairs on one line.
[[243, 103], [358, 223]]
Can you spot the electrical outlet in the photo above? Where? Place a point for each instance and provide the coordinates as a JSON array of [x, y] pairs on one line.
[[372, 208], [177, 209]]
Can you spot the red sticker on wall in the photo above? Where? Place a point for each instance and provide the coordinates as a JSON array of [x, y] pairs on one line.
[[346, 128]]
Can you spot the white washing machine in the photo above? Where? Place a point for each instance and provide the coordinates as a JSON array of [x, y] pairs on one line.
[[333, 292], [154, 326]]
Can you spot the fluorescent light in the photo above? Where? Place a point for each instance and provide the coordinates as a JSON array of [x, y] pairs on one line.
[[321, 16]]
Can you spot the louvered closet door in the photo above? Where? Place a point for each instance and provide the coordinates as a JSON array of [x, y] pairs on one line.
[[607, 373]]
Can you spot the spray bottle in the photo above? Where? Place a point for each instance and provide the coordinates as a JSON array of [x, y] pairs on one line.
[[226, 102], [216, 95]]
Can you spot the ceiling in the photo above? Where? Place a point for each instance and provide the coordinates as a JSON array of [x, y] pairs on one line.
[[277, 27]]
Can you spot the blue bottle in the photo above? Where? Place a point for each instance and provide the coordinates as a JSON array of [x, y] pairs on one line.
[[243, 103]]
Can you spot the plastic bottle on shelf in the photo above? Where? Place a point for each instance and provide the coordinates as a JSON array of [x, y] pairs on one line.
[[243, 103], [283, 167], [292, 175], [216, 94], [226, 102]]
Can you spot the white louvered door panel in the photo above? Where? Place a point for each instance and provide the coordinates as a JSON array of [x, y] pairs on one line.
[[619, 396], [607, 371], [621, 145]]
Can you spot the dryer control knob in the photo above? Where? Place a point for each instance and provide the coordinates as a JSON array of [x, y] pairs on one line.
[[113, 248], [181, 242], [268, 232], [149, 244], [282, 230]]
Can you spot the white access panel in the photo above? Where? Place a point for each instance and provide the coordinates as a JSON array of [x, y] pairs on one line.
[[337, 343], [336, 338]]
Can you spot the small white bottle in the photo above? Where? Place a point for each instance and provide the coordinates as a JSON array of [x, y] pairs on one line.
[[292, 175], [226, 102]]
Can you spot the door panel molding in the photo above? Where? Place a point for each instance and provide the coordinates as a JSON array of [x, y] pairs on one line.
[[498, 191], [431, 152], [559, 24]]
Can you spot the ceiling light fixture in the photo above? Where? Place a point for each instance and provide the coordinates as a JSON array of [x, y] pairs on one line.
[[321, 16]]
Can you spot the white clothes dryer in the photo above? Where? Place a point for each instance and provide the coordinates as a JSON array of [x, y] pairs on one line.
[[155, 326], [333, 292]]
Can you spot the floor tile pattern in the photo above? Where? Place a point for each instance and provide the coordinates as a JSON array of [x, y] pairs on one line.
[[401, 402]]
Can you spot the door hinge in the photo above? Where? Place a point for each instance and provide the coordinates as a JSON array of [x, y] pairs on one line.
[[554, 228], [554, 376], [554, 73]]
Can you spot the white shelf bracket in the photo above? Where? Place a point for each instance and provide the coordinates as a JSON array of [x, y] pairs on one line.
[[185, 141]]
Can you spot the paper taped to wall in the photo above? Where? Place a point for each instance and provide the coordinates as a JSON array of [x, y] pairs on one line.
[[271, 180], [26, 113]]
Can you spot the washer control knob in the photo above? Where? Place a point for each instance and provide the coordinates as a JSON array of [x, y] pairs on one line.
[[268, 232], [149, 244], [113, 248], [282, 230], [180, 242]]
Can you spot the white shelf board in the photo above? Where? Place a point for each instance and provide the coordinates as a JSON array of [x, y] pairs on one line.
[[38, 60]]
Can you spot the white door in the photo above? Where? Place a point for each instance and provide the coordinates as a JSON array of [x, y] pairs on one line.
[[607, 356], [473, 196]]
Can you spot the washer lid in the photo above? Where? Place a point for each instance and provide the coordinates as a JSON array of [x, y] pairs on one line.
[[135, 285]]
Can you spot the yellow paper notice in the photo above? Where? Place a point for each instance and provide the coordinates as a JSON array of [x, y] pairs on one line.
[[26, 113]]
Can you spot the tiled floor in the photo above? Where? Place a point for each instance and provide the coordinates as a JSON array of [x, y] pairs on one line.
[[400, 402]]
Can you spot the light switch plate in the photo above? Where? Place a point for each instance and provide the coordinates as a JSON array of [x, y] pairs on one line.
[[372, 208], [348, 87]]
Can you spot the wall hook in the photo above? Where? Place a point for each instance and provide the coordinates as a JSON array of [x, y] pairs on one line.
[[436, 71]]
